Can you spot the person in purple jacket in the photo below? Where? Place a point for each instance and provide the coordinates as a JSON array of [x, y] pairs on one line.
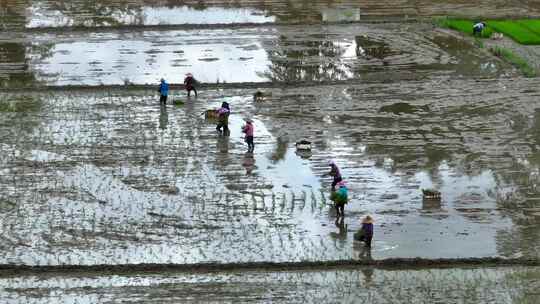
[[365, 233], [334, 171], [248, 129]]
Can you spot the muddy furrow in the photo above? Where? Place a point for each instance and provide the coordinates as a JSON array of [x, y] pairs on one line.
[[392, 263]]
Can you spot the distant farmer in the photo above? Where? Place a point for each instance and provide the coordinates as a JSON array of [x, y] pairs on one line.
[[248, 129], [189, 83], [163, 91], [223, 119], [365, 234], [340, 198], [478, 28], [334, 171]]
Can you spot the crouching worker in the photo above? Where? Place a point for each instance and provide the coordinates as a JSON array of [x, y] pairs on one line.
[[340, 198], [365, 234], [189, 84], [223, 119]]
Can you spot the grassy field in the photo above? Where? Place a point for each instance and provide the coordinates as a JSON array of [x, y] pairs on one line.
[[518, 30], [525, 31], [531, 24]]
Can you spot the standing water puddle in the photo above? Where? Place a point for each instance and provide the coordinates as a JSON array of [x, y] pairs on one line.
[[43, 14]]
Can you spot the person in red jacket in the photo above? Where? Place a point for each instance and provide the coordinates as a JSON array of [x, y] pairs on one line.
[[189, 83]]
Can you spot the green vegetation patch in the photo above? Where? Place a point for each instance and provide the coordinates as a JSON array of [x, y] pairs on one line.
[[524, 31], [532, 25], [516, 30], [462, 25], [515, 60]]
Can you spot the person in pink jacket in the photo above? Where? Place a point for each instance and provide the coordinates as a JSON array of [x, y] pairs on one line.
[[248, 129]]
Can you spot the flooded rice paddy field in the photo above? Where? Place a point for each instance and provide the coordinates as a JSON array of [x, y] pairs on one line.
[[489, 285], [108, 176], [100, 173], [31, 14], [318, 53]]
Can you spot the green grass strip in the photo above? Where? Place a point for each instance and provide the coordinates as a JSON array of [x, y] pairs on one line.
[[516, 31], [524, 31], [532, 25], [462, 25], [515, 60]]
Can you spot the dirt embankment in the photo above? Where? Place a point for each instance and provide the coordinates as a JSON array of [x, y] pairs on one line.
[[392, 263]]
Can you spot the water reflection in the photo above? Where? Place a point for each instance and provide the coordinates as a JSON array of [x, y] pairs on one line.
[[370, 48], [310, 60], [340, 236], [163, 117], [248, 163], [104, 13]]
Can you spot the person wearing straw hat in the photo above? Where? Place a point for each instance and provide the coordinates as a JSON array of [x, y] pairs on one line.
[[163, 91], [189, 84], [365, 234], [248, 129]]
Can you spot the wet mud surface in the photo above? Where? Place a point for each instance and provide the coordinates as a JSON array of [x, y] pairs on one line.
[[105, 13], [94, 177], [286, 54], [468, 285]]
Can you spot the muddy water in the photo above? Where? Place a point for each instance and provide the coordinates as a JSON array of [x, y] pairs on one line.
[[492, 285], [103, 13], [91, 177], [278, 54]]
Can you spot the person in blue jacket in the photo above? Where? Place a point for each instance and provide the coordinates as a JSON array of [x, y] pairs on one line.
[[164, 91]]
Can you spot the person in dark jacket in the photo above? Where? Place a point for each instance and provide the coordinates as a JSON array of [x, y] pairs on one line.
[[365, 233], [163, 91], [189, 83]]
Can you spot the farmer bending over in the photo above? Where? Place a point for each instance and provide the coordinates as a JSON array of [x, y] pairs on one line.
[[478, 28], [365, 234], [189, 83], [223, 119], [334, 171]]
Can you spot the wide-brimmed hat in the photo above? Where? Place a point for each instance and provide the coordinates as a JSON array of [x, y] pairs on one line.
[[367, 220]]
